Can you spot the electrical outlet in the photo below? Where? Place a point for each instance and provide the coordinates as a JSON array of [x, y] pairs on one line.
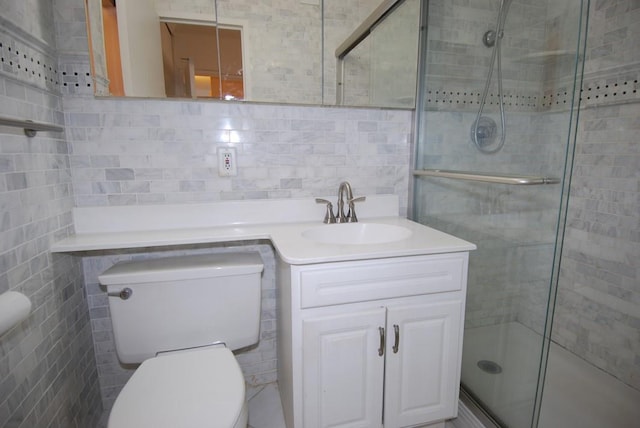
[[227, 162]]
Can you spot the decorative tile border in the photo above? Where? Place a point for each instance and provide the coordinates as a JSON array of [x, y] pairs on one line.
[[557, 99], [27, 63], [39, 66], [464, 98], [618, 89], [613, 88], [75, 76]]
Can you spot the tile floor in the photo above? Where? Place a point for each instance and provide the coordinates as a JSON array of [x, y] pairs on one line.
[[265, 408]]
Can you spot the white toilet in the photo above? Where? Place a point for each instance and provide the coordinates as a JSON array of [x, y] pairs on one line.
[[181, 317]]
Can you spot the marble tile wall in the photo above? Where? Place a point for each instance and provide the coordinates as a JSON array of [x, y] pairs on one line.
[[537, 53], [597, 312], [48, 374], [154, 152], [612, 36], [458, 63]]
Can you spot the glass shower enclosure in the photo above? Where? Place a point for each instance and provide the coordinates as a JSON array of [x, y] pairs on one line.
[[495, 125]]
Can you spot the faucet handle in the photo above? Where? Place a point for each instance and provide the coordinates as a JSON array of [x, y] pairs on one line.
[[351, 215], [358, 199], [328, 217]]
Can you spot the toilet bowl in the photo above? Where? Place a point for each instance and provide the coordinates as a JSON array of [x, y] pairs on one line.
[[180, 318], [198, 388]]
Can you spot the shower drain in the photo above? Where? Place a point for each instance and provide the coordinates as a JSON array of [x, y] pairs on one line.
[[489, 366]]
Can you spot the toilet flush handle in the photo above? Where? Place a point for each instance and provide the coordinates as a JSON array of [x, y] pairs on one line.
[[124, 294]]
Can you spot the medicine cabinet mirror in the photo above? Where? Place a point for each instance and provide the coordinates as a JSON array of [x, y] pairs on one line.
[[345, 52]]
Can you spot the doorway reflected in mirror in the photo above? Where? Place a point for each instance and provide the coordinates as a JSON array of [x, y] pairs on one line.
[[175, 59], [191, 56]]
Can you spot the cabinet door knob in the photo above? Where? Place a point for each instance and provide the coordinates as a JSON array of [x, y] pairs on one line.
[[396, 344], [381, 348]]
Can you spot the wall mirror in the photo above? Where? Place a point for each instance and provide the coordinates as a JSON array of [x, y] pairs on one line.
[[331, 52]]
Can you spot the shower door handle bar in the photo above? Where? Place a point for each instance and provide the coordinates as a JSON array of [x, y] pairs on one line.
[[517, 180]]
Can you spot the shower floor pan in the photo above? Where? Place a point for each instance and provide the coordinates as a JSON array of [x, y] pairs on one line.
[[576, 395]]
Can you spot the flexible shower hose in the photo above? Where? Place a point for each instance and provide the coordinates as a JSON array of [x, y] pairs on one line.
[[499, 32]]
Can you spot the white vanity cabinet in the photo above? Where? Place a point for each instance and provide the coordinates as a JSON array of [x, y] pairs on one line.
[[371, 343]]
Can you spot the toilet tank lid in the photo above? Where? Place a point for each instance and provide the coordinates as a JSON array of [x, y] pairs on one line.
[[182, 267]]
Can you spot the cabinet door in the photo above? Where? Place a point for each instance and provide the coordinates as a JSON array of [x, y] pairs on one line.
[[421, 383], [342, 371]]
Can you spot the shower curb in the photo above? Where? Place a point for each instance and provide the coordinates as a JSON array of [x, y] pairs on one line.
[[468, 418]]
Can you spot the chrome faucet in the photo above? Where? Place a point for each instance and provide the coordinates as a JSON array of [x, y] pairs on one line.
[[350, 217]]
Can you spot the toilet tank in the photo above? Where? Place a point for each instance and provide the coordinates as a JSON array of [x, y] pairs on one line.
[[184, 302]]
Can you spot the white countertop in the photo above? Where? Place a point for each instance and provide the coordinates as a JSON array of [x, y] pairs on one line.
[[110, 228]]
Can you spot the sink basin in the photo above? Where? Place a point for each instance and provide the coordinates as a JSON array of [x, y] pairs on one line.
[[357, 233]]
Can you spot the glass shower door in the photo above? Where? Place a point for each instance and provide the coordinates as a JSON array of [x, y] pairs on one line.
[[490, 164]]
